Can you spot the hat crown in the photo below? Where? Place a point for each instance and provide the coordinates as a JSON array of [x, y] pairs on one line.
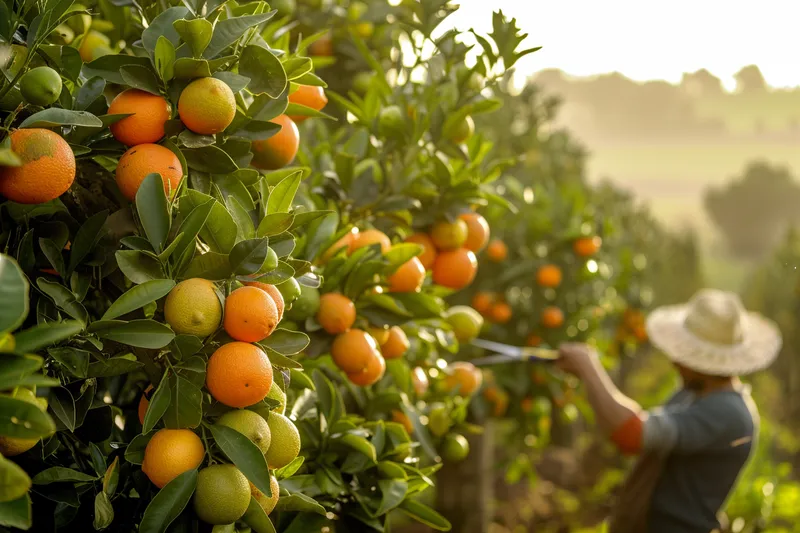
[[716, 316]]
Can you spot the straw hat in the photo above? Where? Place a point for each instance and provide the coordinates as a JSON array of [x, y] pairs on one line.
[[715, 335]]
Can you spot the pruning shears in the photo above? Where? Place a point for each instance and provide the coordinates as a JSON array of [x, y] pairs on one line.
[[505, 353]]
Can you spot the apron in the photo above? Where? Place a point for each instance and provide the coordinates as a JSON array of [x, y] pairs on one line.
[[632, 507]]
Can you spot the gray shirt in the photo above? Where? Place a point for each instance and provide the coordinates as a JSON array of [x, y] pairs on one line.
[[707, 441]]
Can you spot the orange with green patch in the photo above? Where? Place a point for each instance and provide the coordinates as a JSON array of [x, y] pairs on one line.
[[47, 170]]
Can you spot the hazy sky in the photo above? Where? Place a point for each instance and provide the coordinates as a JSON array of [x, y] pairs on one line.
[[645, 39]]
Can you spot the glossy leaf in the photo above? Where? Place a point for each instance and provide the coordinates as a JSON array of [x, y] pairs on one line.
[[23, 420], [143, 333], [168, 503], [286, 342], [264, 70], [244, 454], [153, 209], [196, 33], [228, 31], [63, 298], [424, 514], [46, 334], [282, 195], [86, 238], [257, 519], [248, 256], [13, 294], [158, 404], [57, 474], [53, 117], [185, 409], [138, 296], [138, 266]]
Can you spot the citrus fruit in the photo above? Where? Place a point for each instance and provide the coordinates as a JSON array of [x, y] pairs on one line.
[[552, 317], [343, 243], [336, 314], [222, 494], [290, 291], [193, 308], [361, 82], [308, 96], [40, 86], [353, 350], [11, 446], [306, 305], [497, 251], [63, 34], [146, 124], [47, 171], [477, 231], [381, 335], [428, 255], [465, 321], [408, 278], [279, 150], [368, 238], [239, 374], [144, 403], [94, 45], [273, 293], [500, 313], [321, 47], [449, 235], [170, 453], [396, 345], [391, 121], [455, 269], [251, 314], [251, 425], [267, 503], [401, 418], [285, 441], [81, 22], [482, 302], [207, 106], [439, 419], [419, 380], [533, 340], [144, 159], [376, 366], [455, 447], [587, 246], [464, 377], [277, 394], [548, 276], [463, 130]]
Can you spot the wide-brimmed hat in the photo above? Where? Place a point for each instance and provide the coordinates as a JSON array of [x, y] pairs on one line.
[[714, 334]]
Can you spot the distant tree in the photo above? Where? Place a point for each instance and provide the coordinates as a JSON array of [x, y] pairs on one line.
[[753, 210], [701, 84], [750, 79]]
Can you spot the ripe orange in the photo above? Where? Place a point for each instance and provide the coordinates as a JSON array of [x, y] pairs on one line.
[[533, 340], [463, 375], [482, 302], [170, 453], [401, 418], [449, 235], [587, 246], [321, 47], [500, 313], [419, 380], [337, 313], [428, 255], [144, 403], [455, 269], [146, 124], [273, 292], [408, 278], [381, 335], [552, 317], [250, 314], [47, 171], [548, 276], [376, 367], [369, 237], [280, 149], [344, 242], [144, 159], [207, 106], [353, 350], [309, 96], [477, 231], [497, 251], [397, 344], [239, 374]]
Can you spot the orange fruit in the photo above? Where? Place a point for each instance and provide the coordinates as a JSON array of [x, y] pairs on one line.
[[337, 313], [587, 246], [397, 344], [376, 367], [401, 418], [47, 171], [533, 340], [144, 403], [455, 269], [353, 350], [408, 278], [344, 242], [500, 313], [369, 237], [640, 333], [526, 404], [309, 96], [428, 255], [321, 47], [381, 335], [419, 380], [239, 374], [144, 159], [250, 314], [477, 231], [207, 106], [170, 453], [273, 292], [552, 317], [497, 251], [146, 124], [482, 302], [449, 235], [463, 375], [279, 150], [548, 276], [632, 318]]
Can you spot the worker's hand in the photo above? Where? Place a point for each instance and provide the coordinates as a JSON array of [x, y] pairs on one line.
[[575, 358]]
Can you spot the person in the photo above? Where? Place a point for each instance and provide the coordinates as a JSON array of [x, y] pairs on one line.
[[692, 450]]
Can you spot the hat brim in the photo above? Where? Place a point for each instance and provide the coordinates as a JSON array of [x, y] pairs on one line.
[[758, 349]]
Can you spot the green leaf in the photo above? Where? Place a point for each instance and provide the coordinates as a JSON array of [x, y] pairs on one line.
[[235, 81], [153, 209], [162, 25], [257, 519], [299, 502], [59, 474], [304, 111], [103, 511], [14, 481], [359, 444], [210, 159], [244, 454], [164, 58], [188, 68], [318, 234], [286, 342], [169, 502], [52, 117], [290, 469], [73, 360], [14, 368], [192, 224], [274, 224], [210, 265], [142, 78], [158, 405], [108, 67], [264, 70], [87, 237], [134, 453], [248, 256], [140, 333], [282, 195], [63, 298], [9, 159], [297, 67], [114, 366], [196, 33], [24, 420], [228, 31], [424, 514], [185, 409], [138, 296], [400, 254], [138, 266], [53, 255], [13, 294], [241, 218], [219, 231], [393, 492], [16, 513], [46, 334]]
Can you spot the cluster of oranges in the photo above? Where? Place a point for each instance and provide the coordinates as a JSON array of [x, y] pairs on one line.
[[492, 306], [633, 325]]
